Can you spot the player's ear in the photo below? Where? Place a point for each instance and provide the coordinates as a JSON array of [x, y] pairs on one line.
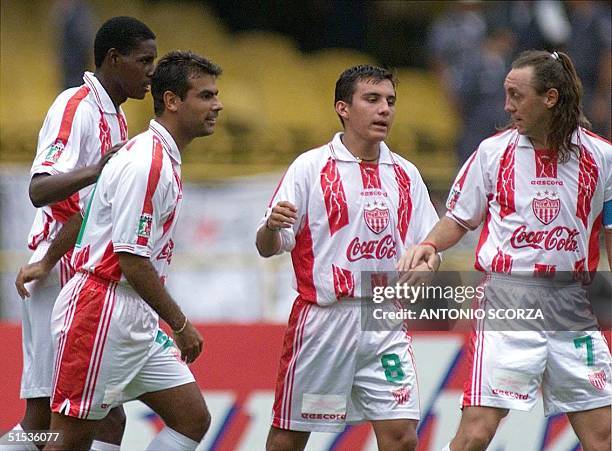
[[552, 97], [171, 101], [342, 109], [112, 56]]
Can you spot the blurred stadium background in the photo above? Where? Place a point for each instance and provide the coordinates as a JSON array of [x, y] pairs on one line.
[[281, 60]]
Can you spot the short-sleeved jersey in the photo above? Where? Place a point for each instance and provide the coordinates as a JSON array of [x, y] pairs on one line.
[[133, 208], [540, 215], [353, 217], [81, 125]]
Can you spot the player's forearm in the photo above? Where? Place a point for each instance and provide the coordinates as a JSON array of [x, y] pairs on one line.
[[445, 234], [142, 276], [268, 242], [47, 189], [64, 241]]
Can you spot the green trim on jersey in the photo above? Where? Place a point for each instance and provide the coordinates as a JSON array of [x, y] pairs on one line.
[[85, 218]]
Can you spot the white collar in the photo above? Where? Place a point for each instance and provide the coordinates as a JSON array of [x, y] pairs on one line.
[[341, 153], [524, 141], [167, 140], [102, 98]]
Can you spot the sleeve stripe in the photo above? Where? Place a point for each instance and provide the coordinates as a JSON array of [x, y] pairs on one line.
[[154, 173], [459, 221], [69, 112]]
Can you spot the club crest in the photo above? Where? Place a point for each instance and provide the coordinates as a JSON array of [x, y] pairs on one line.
[[401, 395], [376, 216], [546, 209], [598, 379]]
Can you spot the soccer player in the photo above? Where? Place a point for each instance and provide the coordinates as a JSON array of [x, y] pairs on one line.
[[540, 187], [74, 144], [108, 345], [344, 208]]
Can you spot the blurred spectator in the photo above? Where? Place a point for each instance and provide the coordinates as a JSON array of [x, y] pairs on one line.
[[589, 48], [481, 97], [453, 41], [75, 25], [538, 25]]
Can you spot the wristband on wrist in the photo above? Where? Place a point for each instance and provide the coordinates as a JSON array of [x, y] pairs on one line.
[[429, 243], [182, 328]]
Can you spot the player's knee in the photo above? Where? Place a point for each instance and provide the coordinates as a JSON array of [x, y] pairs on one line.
[[597, 440], [283, 441], [478, 438], [206, 422], [405, 440], [199, 424]]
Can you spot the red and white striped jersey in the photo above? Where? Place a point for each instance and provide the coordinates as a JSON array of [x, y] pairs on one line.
[[540, 215], [134, 207], [81, 125], [352, 217]]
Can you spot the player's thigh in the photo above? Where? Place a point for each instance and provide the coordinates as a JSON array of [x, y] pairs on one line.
[[592, 427], [479, 421], [74, 433], [285, 440], [112, 426], [37, 415], [179, 406]]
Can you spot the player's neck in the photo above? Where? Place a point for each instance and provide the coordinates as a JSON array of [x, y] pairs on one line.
[[362, 150], [112, 88], [181, 139], [539, 140]]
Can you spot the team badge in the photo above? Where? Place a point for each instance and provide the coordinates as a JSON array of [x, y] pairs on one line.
[[376, 216], [54, 152], [598, 379], [453, 197], [401, 395], [546, 209], [144, 225]]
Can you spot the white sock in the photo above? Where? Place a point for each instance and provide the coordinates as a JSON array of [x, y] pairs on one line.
[[170, 440], [447, 447], [97, 445], [9, 445]]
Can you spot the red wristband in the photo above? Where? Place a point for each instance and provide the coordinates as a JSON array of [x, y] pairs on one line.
[[429, 243]]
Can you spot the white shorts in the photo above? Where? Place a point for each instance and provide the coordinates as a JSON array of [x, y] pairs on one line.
[[35, 331], [332, 373], [573, 368], [108, 349]]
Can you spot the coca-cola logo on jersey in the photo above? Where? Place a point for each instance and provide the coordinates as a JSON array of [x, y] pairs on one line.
[[377, 249], [559, 238]]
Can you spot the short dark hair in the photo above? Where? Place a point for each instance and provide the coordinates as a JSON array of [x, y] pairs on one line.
[[347, 82], [173, 72], [122, 33], [556, 70]]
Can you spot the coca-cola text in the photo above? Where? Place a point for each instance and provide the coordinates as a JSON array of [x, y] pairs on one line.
[[559, 238], [378, 249]]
